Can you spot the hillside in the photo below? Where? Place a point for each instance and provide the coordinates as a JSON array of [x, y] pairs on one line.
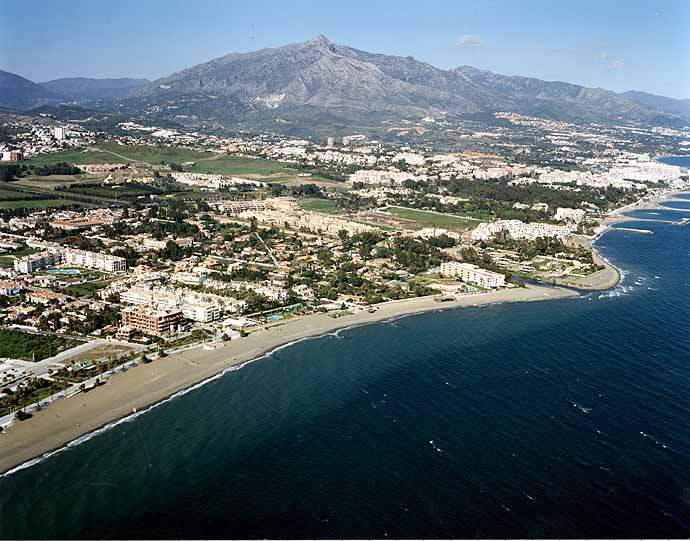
[[16, 92]]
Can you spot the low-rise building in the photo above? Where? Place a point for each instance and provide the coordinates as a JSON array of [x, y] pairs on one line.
[[10, 287], [44, 297]]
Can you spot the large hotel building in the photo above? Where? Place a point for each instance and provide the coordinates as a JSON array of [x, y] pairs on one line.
[[472, 274], [152, 321]]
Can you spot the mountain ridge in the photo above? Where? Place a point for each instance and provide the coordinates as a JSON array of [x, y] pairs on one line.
[[320, 79], [322, 74]]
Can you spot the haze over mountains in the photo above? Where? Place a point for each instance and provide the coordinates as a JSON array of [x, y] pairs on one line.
[[83, 88], [320, 81]]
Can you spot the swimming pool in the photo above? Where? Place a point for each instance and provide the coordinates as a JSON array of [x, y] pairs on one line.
[[63, 271]]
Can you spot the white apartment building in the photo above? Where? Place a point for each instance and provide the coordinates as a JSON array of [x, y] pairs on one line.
[[204, 312], [189, 278], [94, 260], [70, 256], [193, 306], [472, 274], [34, 262]]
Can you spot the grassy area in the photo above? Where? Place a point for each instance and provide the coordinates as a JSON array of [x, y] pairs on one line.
[[206, 162], [114, 153], [327, 206], [87, 289], [7, 259], [75, 155], [422, 219], [236, 165], [153, 154], [38, 204], [23, 251], [22, 345]]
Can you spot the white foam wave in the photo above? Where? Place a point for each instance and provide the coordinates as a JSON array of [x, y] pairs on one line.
[[656, 441]]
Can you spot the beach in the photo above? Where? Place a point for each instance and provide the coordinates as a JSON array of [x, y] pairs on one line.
[[147, 384]]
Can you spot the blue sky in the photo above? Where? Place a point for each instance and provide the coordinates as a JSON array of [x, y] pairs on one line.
[[618, 45]]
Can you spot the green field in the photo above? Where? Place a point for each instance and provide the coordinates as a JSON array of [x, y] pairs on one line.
[[206, 162], [76, 156], [236, 165], [22, 345], [327, 206], [38, 204], [431, 219], [87, 289]]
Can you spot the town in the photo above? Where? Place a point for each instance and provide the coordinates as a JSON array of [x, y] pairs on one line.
[[126, 245]]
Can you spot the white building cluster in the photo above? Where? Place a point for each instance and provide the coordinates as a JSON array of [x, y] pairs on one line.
[[376, 176], [213, 181], [518, 229], [195, 306]]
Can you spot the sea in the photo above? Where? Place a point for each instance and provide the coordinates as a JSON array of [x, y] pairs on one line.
[[549, 419]]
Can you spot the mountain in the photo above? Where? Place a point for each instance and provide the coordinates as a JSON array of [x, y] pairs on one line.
[[16, 92], [661, 103], [320, 79], [83, 88]]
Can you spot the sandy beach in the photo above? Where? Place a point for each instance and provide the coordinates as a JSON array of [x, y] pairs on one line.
[[148, 384]]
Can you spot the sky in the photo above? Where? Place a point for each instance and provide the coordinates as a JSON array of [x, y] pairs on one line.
[[618, 45]]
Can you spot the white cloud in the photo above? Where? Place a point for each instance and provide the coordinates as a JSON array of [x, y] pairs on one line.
[[471, 41], [613, 63]]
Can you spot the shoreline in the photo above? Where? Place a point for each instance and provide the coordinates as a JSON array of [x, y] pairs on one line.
[[127, 395]]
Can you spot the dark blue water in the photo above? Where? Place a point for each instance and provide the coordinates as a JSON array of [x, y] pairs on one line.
[[681, 161], [566, 418]]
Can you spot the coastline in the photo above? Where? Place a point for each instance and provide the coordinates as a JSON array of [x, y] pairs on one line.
[[141, 388], [132, 393]]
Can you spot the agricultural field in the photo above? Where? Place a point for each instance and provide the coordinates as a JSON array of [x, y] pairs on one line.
[[419, 219]]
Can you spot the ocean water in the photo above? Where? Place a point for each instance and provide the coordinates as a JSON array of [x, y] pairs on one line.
[[567, 418], [682, 161]]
